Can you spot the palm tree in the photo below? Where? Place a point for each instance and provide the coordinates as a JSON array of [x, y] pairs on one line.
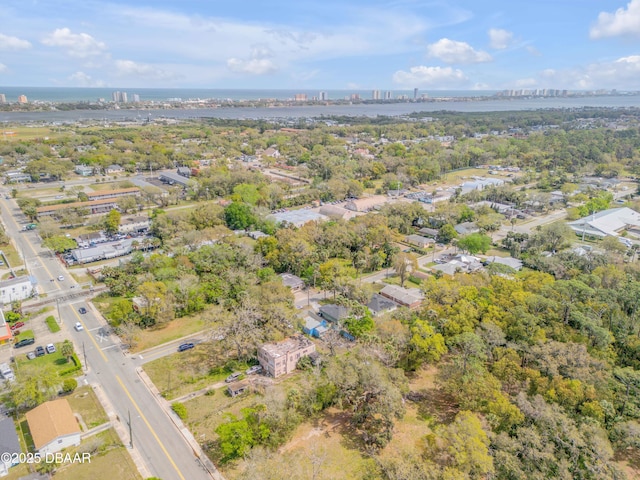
[[67, 350]]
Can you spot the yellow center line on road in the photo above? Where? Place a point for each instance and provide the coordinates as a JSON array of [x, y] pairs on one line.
[[90, 336], [31, 247], [144, 419]]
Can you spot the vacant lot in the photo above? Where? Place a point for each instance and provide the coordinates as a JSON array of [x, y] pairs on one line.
[[84, 402]]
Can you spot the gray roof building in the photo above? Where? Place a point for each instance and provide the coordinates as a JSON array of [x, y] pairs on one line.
[[379, 305], [333, 313], [9, 443]]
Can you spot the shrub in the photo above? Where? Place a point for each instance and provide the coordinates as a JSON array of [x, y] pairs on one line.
[[69, 385], [52, 324], [180, 410]]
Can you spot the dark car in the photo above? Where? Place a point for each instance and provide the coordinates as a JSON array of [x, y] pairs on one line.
[[185, 346], [82, 310], [39, 351], [24, 342]]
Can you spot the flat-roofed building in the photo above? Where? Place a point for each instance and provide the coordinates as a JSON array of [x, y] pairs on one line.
[[16, 289], [407, 297], [95, 207], [134, 224], [366, 204], [120, 192], [280, 358]]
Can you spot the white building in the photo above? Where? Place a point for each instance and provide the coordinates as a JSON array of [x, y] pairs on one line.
[[611, 222], [16, 289]]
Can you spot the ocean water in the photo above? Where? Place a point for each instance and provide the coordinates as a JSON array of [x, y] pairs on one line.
[[61, 94], [454, 103]]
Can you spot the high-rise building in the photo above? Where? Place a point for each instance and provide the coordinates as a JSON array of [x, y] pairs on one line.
[[3, 99], [300, 97], [322, 96], [375, 95], [355, 96], [135, 98], [387, 95], [119, 97], [22, 99], [415, 93]]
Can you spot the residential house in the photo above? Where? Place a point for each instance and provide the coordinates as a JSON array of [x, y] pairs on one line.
[[407, 297], [281, 358], [314, 325], [113, 169], [84, 170], [16, 289], [271, 152], [366, 204], [460, 264], [53, 426], [17, 177], [9, 444], [379, 305], [238, 388], [466, 228], [184, 172], [419, 241], [333, 313], [171, 178], [428, 232], [292, 281], [86, 240], [508, 261]]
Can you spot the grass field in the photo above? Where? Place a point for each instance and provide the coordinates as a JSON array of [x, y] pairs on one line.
[[84, 402], [111, 461], [172, 330], [182, 373], [55, 359], [52, 324], [19, 133]]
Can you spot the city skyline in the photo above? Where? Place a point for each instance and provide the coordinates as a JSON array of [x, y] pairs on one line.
[[375, 45]]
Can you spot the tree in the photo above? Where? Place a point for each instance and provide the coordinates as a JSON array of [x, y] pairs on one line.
[[555, 236], [66, 349], [425, 345], [474, 243], [60, 243], [112, 222], [239, 216], [157, 301], [404, 264], [446, 233]]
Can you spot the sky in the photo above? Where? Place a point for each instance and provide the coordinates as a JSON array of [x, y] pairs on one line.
[[322, 44]]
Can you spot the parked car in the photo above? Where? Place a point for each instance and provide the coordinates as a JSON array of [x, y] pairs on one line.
[[78, 326], [233, 377], [185, 346], [82, 310], [39, 351], [51, 348], [24, 342], [6, 373], [31, 355], [17, 325], [60, 277], [254, 369]]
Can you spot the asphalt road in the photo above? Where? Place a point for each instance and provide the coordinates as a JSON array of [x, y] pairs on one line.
[[161, 446]]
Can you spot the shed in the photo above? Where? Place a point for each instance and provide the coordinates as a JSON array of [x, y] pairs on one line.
[[238, 388]]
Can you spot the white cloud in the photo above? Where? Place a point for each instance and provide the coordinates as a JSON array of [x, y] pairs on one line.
[[84, 80], [80, 45], [258, 63], [435, 77], [13, 43], [622, 22], [622, 74], [129, 68], [3, 67], [450, 51], [533, 51], [499, 38]]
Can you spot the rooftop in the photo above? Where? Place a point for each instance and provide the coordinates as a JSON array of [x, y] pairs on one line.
[[291, 344], [50, 421]]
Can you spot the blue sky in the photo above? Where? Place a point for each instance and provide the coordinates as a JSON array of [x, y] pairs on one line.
[[328, 44]]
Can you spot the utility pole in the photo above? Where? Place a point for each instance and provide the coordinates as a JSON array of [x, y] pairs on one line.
[[130, 430], [84, 354], [58, 309]]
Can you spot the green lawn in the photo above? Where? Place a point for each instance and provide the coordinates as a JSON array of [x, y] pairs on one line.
[[84, 401], [178, 328], [185, 372], [52, 324], [24, 334], [110, 461], [60, 364]]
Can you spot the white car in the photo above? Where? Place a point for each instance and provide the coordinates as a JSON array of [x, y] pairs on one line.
[[78, 327], [60, 277], [51, 348]]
